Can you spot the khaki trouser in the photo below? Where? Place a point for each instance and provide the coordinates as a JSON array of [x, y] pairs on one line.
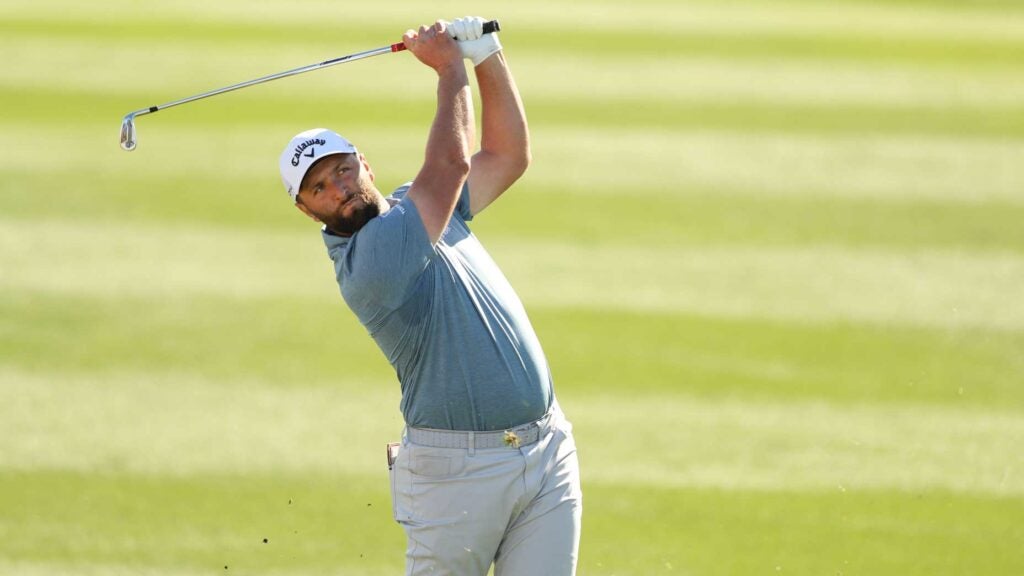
[[464, 508]]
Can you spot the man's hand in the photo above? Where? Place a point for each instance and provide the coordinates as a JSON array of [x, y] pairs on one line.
[[434, 46], [473, 43]]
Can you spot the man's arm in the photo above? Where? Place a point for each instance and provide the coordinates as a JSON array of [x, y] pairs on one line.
[[505, 140], [437, 186]]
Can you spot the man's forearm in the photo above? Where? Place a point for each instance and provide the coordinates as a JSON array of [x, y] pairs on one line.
[[436, 188], [505, 141], [505, 130], [452, 131]]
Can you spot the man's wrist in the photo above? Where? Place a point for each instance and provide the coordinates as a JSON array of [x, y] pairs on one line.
[[493, 62], [452, 68]]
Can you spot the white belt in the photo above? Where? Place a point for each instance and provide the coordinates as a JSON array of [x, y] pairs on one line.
[[512, 438]]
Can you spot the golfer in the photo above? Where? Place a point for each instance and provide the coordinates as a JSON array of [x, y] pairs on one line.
[[486, 472]]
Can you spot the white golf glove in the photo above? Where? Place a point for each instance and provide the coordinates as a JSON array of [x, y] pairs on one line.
[[473, 43]]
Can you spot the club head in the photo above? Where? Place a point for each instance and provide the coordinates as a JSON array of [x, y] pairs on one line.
[[128, 133]]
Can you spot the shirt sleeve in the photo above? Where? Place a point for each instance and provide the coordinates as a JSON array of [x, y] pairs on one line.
[[462, 208], [384, 261]]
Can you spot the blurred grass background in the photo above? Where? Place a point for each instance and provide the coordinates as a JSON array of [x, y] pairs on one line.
[[773, 251]]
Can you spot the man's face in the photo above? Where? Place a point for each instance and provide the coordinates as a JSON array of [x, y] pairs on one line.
[[338, 191]]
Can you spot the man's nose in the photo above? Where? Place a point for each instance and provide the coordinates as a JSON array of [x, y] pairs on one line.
[[339, 187]]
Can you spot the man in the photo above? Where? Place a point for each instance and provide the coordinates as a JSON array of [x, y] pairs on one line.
[[487, 469]]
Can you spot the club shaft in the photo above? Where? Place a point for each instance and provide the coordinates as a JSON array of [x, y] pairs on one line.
[[285, 74], [128, 139]]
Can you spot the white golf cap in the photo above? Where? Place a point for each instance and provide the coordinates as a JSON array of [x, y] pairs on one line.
[[304, 150]]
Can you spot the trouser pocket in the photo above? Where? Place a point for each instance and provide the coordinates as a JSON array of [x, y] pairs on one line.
[[393, 449], [398, 475]]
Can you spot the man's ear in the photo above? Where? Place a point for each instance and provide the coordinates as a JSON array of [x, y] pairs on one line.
[[306, 211], [366, 166]]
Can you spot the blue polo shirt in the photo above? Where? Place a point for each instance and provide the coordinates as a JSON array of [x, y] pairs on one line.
[[446, 318]]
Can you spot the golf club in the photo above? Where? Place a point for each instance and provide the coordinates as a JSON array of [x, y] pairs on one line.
[[128, 137]]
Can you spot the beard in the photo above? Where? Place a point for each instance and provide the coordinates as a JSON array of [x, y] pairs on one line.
[[343, 226]]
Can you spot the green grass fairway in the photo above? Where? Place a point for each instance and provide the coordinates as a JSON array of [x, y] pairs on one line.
[[774, 252]]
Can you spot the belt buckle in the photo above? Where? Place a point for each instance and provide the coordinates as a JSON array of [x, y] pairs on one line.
[[511, 439]]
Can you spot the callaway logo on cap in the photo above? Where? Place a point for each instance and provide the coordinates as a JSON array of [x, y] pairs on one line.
[[304, 150]]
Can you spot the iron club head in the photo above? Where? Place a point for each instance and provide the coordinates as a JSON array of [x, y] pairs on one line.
[[128, 141]]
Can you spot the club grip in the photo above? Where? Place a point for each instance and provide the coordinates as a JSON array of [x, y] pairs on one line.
[[490, 27]]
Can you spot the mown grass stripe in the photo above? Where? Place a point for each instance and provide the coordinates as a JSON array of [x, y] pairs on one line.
[[956, 290], [687, 214], [693, 216], [947, 289], [197, 525], [633, 164], [800, 532], [701, 354], [85, 107], [755, 360], [879, 46], [113, 524], [769, 79], [874, 166], [715, 216], [239, 427], [169, 72], [998, 19], [766, 446], [754, 117]]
